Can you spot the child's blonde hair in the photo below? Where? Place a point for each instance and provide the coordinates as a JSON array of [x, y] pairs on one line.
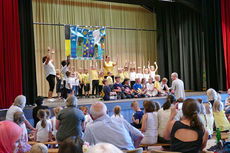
[[56, 110], [134, 103], [117, 110], [208, 108], [19, 118], [43, 117], [164, 80], [217, 106]]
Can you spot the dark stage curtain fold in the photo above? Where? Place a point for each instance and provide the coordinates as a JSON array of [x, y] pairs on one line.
[[27, 50], [10, 56], [214, 53], [180, 44], [225, 13]]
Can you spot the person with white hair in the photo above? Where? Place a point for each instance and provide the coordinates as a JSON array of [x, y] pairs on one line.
[[177, 86], [18, 106], [104, 129], [104, 147], [212, 95], [39, 148], [70, 120]]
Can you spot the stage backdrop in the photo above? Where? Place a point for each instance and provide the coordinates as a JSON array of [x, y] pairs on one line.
[[139, 46]]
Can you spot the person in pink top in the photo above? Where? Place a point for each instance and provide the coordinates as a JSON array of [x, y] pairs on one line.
[[9, 136]]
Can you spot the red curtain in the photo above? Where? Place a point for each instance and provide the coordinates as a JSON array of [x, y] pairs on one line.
[[10, 54], [225, 14]]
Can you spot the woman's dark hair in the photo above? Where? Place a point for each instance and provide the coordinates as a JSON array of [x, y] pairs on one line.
[[71, 145], [191, 111], [170, 99], [44, 59], [39, 100], [63, 63], [42, 116], [149, 106], [157, 106]]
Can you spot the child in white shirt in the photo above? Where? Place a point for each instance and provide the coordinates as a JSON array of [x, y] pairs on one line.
[[132, 76], [75, 83], [153, 70], [151, 91], [146, 74], [117, 113], [43, 127], [68, 84], [139, 73]]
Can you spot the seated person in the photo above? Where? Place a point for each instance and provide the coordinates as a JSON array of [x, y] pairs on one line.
[[151, 91], [227, 103], [187, 135], [104, 129], [149, 124], [157, 84], [137, 89], [118, 88], [137, 116], [117, 113], [220, 118], [72, 144], [39, 102], [104, 147], [106, 90], [164, 86], [127, 89], [210, 119], [39, 148]]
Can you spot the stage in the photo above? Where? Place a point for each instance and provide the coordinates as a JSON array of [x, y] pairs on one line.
[[124, 103]]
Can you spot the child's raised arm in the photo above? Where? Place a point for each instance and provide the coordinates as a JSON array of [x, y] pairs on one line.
[[156, 66]]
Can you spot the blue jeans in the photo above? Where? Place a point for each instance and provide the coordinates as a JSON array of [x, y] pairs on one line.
[[75, 89]]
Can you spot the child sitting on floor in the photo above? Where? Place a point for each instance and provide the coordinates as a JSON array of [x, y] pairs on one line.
[[143, 85], [151, 91], [43, 127], [118, 88], [157, 84], [107, 90], [53, 120], [137, 116], [137, 88], [117, 113], [127, 90], [164, 86], [210, 119], [221, 120], [23, 141]]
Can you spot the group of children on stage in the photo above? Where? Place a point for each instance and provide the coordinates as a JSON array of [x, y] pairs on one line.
[[126, 84]]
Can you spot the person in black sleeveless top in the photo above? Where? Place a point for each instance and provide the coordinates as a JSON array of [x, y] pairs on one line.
[[187, 135]]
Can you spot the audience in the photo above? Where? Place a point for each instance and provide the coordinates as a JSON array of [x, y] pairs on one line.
[[43, 128], [163, 117], [71, 145], [188, 134], [18, 106], [117, 113], [157, 106], [220, 118], [227, 103], [105, 129], [88, 119], [177, 86], [212, 95], [149, 124], [202, 112], [39, 102], [39, 148], [137, 116], [53, 120], [104, 148], [70, 120], [9, 135], [19, 120], [210, 119]]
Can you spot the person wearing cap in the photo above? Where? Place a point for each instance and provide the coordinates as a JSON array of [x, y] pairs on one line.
[[70, 120]]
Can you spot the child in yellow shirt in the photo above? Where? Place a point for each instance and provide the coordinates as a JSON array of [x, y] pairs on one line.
[[94, 77], [121, 74], [86, 82], [157, 84], [110, 79]]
